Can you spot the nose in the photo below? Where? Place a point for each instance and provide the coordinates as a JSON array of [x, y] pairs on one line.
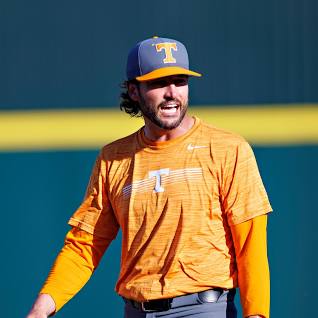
[[171, 91]]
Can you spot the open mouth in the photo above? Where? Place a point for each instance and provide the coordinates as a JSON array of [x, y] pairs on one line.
[[169, 108]]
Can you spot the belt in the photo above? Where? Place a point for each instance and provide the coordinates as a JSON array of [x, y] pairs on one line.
[[207, 296]]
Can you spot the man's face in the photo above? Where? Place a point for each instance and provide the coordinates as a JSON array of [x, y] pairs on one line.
[[164, 101]]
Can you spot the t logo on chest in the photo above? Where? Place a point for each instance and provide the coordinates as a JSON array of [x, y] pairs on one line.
[[157, 174], [155, 183]]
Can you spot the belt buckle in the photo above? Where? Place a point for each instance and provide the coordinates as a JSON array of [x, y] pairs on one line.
[[210, 295]]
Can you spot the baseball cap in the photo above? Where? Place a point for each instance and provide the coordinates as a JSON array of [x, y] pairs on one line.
[[158, 57]]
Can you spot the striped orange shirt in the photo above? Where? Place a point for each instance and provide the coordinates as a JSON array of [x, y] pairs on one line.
[[174, 202]]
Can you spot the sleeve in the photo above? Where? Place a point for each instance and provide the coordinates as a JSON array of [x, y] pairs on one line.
[[253, 272], [96, 215], [74, 265], [243, 192]]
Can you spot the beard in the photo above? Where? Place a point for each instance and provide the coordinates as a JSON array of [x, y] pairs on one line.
[[152, 113]]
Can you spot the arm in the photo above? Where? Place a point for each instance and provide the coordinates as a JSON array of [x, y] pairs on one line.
[[253, 273], [73, 267]]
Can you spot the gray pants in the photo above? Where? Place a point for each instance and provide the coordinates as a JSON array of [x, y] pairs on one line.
[[197, 307]]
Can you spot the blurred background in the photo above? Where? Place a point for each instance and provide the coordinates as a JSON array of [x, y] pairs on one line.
[[61, 65]]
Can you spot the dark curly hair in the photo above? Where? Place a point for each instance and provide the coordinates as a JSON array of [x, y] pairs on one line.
[[126, 103]]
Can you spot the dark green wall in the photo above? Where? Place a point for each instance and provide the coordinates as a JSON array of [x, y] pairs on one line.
[[61, 54], [39, 192]]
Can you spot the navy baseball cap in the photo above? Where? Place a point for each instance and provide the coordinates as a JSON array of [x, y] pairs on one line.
[[158, 57]]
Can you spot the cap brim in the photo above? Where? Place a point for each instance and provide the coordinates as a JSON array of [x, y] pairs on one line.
[[166, 71]]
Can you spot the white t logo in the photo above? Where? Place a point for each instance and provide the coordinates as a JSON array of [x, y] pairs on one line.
[[158, 174]]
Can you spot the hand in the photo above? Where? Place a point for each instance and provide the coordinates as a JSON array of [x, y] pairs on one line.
[[43, 307], [36, 314]]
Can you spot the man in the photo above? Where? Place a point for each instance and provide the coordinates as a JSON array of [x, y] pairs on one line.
[[187, 197]]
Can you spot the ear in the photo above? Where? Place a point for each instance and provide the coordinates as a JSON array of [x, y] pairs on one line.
[[133, 91]]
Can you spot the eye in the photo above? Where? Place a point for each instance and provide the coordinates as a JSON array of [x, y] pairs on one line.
[[156, 84], [181, 81]]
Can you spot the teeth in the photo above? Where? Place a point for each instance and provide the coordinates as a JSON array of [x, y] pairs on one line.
[[169, 106], [169, 110]]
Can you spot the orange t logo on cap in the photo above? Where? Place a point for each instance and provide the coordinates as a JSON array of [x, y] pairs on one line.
[[167, 47]]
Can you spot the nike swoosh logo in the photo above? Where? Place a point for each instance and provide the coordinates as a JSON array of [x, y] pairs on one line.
[[192, 147]]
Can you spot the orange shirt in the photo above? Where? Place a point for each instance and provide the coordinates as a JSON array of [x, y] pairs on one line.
[[174, 202]]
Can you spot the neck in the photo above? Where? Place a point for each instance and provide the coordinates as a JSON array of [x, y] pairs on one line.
[[155, 133]]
